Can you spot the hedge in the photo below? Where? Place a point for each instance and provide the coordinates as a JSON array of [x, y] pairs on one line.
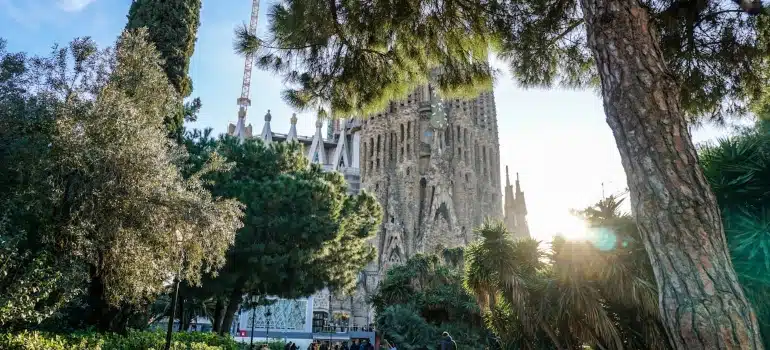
[[132, 341]]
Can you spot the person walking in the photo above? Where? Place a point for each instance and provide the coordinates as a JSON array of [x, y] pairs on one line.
[[447, 343]]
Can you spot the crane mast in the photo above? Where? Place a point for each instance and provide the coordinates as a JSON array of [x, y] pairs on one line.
[[244, 101]]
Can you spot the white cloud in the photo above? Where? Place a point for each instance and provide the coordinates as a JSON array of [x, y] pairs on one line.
[[74, 5], [31, 14]]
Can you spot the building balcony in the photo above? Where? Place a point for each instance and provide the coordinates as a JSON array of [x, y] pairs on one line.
[[347, 171], [341, 329]]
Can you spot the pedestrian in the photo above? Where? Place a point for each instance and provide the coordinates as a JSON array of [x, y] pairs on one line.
[[447, 343], [355, 345], [293, 346]]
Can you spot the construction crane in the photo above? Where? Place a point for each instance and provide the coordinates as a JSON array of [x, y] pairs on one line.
[[244, 102]]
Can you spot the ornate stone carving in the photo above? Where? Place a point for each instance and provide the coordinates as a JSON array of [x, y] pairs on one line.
[[284, 315]]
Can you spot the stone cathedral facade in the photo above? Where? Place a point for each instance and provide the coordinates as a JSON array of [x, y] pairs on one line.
[[433, 165]]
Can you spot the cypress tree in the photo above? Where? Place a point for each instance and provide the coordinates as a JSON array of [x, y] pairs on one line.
[[173, 27]]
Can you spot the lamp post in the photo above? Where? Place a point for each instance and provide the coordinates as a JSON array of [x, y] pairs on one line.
[[253, 320], [331, 319], [267, 330], [254, 300]]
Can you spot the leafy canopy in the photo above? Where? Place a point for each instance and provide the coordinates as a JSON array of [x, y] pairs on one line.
[[302, 230], [93, 195], [424, 297], [354, 57]]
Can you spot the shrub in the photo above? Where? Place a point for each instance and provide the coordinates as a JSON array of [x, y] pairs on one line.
[[133, 340]]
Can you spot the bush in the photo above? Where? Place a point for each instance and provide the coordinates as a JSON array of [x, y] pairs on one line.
[[133, 341]]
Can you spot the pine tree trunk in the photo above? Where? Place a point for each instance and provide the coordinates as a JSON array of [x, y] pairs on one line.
[[219, 315], [233, 304], [701, 302], [181, 314]]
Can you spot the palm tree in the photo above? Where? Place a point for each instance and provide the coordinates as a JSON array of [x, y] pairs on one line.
[[505, 276], [738, 170], [599, 292], [420, 299]]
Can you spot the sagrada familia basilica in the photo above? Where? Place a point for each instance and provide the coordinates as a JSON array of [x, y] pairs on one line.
[[434, 166]]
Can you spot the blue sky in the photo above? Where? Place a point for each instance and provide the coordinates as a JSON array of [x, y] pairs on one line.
[[556, 139]]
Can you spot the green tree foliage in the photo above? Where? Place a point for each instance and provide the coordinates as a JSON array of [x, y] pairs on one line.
[[302, 230], [660, 65], [173, 28], [738, 170], [599, 293], [356, 57], [94, 197], [132, 340], [419, 300], [32, 271]]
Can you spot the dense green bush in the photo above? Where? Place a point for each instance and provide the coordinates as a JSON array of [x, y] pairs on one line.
[[132, 341]]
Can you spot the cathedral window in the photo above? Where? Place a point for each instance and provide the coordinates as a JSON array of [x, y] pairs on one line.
[[409, 130], [391, 150]]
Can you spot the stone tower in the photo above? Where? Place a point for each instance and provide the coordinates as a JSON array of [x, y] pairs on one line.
[[434, 167], [515, 209]]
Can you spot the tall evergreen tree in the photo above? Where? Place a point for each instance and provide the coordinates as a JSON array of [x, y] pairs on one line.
[[302, 230], [659, 64], [173, 28]]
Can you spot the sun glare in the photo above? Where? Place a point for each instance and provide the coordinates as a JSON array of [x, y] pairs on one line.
[[571, 228]]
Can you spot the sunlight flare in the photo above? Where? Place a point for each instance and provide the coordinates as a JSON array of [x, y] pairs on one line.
[[572, 228]]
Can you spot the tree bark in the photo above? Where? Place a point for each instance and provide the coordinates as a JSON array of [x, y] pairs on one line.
[[182, 317], [702, 305], [219, 315], [170, 326], [232, 306]]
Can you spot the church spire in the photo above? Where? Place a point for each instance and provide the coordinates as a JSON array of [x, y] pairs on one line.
[[317, 152], [515, 208], [510, 204], [341, 152], [267, 133], [522, 227], [292, 135], [240, 129]]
